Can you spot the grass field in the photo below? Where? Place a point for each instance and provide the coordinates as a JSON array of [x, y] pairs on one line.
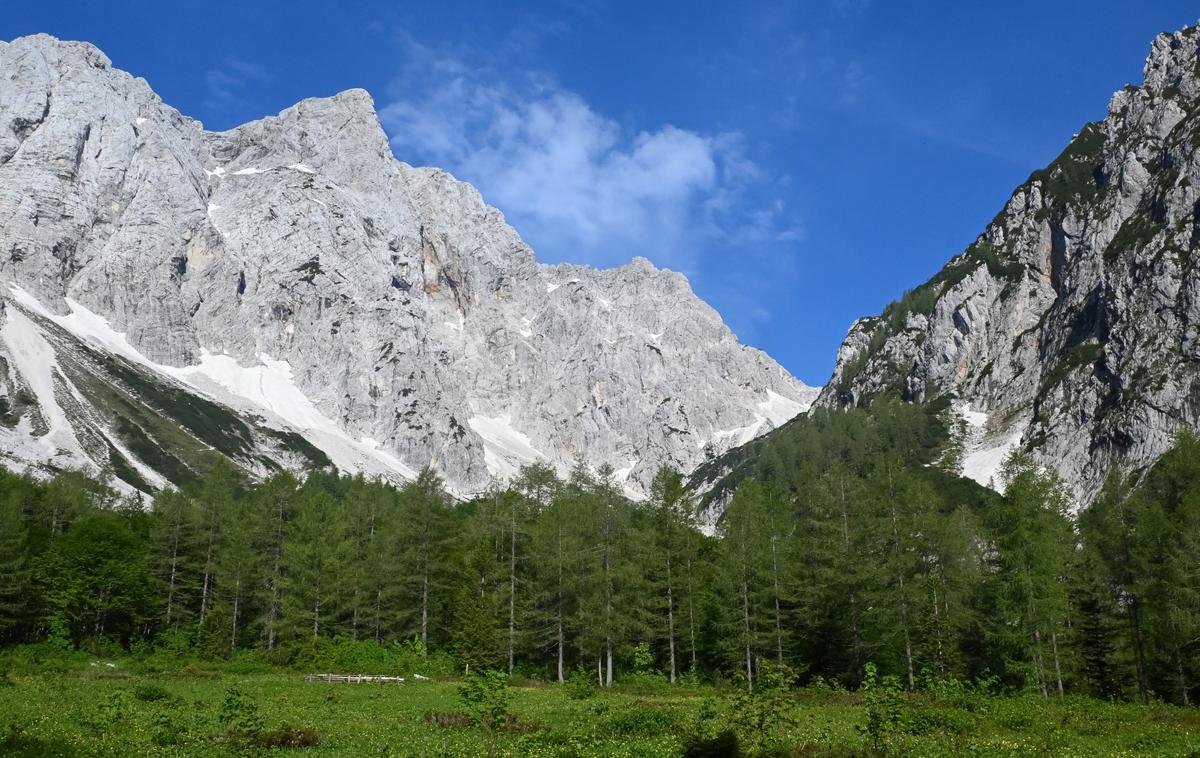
[[107, 708]]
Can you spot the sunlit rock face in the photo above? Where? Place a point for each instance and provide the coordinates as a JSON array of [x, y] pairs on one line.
[[293, 271], [1071, 327]]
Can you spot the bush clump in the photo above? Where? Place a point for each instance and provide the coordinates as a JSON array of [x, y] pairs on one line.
[[580, 685]]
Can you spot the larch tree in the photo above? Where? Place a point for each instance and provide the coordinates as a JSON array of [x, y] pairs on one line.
[[315, 558], [423, 538]]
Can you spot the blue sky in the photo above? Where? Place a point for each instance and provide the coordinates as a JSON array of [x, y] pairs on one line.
[[802, 162]]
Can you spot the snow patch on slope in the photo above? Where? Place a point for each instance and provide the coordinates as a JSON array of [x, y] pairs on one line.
[[35, 361], [505, 449], [779, 410], [983, 464], [727, 439], [270, 387], [267, 388], [776, 411], [984, 452]]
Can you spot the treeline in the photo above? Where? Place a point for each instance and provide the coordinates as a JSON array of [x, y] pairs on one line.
[[845, 543]]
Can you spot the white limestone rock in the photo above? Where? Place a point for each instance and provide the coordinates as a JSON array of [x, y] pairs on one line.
[[413, 321], [1079, 338]]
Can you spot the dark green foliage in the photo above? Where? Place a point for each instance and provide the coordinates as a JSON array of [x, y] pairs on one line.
[[296, 443], [915, 301], [761, 718], [1010, 271], [239, 715], [134, 436], [14, 407], [288, 736], [1025, 590], [922, 300], [884, 706], [310, 269], [581, 685], [123, 470], [1144, 600], [485, 698], [724, 744], [1137, 231], [845, 540], [855, 366], [1075, 173], [1081, 355], [148, 692], [477, 636], [810, 444], [94, 580], [211, 423]]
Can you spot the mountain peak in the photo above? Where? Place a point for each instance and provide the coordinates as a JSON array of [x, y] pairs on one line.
[[341, 133], [63, 53], [1172, 65], [292, 272]]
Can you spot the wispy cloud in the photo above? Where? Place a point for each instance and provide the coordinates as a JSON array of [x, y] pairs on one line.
[[850, 7], [577, 183], [227, 83], [961, 125]]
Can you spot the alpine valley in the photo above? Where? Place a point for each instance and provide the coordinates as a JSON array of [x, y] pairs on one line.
[[282, 416]]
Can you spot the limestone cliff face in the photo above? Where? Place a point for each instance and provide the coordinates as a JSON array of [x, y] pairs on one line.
[[1072, 325], [295, 272]]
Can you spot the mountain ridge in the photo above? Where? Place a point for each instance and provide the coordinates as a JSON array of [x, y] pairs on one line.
[[402, 308], [1068, 327]]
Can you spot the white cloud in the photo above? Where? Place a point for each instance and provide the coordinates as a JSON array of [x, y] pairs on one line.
[[575, 183]]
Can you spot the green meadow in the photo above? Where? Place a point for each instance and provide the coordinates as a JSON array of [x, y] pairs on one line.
[[75, 705]]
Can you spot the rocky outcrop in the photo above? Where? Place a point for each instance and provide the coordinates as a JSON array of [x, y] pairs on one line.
[[1071, 325], [292, 268]]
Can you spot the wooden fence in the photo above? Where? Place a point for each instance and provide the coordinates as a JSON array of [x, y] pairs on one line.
[[354, 678]]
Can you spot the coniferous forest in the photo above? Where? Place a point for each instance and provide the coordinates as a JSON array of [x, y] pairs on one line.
[[845, 547]]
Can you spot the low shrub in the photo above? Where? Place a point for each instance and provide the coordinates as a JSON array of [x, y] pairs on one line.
[[148, 692], [16, 743], [287, 736], [724, 744], [943, 720], [449, 719], [239, 715], [166, 729], [641, 719], [580, 685], [645, 683], [761, 718], [485, 697], [245, 728], [885, 709], [515, 726]]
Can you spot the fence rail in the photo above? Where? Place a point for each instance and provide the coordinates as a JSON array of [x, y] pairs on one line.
[[354, 678]]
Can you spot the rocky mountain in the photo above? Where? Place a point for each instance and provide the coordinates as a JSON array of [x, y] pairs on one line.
[[288, 294], [1071, 326]]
